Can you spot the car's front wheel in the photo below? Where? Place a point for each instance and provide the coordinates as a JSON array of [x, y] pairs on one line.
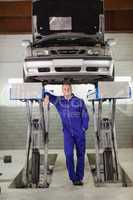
[[27, 79]]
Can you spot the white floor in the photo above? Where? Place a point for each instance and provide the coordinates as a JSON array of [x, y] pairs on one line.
[[61, 187]]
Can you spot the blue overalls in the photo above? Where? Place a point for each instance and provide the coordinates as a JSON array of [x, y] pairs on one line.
[[75, 120]]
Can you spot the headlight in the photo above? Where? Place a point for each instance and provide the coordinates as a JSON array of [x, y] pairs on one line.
[[46, 52], [93, 52], [90, 52], [96, 52], [42, 52], [32, 70]]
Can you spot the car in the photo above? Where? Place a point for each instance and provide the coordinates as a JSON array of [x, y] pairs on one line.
[[68, 43]]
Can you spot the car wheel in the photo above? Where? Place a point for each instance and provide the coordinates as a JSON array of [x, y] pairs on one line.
[[113, 74], [26, 80]]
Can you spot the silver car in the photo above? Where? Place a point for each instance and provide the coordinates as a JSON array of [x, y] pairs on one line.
[[68, 43]]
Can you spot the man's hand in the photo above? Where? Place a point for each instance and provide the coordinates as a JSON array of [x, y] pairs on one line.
[[46, 100]]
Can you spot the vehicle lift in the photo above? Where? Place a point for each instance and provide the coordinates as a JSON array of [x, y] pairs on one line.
[[107, 165], [31, 94], [105, 138], [107, 168]]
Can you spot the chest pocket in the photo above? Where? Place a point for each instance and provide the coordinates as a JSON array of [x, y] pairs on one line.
[[75, 112], [69, 109]]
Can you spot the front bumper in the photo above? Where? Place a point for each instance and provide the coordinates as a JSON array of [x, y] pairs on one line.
[[76, 70]]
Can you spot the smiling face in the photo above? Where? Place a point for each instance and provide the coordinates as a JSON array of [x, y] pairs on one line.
[[67, 90]]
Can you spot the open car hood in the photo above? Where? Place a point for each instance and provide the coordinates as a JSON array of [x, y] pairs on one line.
[[55, 16], [68, 39]]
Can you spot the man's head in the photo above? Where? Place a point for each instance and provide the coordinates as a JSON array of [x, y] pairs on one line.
[[67, 90]]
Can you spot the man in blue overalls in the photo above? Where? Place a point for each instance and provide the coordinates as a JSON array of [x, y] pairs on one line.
[[75, 120]]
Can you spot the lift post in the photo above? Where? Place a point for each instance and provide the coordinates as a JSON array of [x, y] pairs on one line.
[[107, 166], [31, 93]]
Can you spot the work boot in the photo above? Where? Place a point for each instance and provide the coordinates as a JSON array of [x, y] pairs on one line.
[[78, 183]]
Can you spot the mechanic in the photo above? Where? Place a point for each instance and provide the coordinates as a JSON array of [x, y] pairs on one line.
[[75, 121]]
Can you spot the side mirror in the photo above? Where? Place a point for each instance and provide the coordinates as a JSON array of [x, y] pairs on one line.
[[110, 42], [26, 43]]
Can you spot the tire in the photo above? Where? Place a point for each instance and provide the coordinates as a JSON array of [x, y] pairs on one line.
[[26, 80], [35, 170], [113, 74], [108, 165]]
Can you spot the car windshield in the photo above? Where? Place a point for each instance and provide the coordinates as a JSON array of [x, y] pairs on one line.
[[66, 41]]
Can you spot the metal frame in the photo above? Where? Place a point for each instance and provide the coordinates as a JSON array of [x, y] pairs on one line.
[[43, 120], [97, 116], [104, 128], [105, 134], [35, 128]]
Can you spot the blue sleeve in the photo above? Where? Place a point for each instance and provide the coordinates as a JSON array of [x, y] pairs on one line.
[[52, 98], [85, 117]]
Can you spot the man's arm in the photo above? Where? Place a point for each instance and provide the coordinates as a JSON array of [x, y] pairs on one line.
[[85, 117], [50, 97]]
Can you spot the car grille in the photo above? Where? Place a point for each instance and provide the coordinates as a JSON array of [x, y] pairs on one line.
[[68, 51]]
